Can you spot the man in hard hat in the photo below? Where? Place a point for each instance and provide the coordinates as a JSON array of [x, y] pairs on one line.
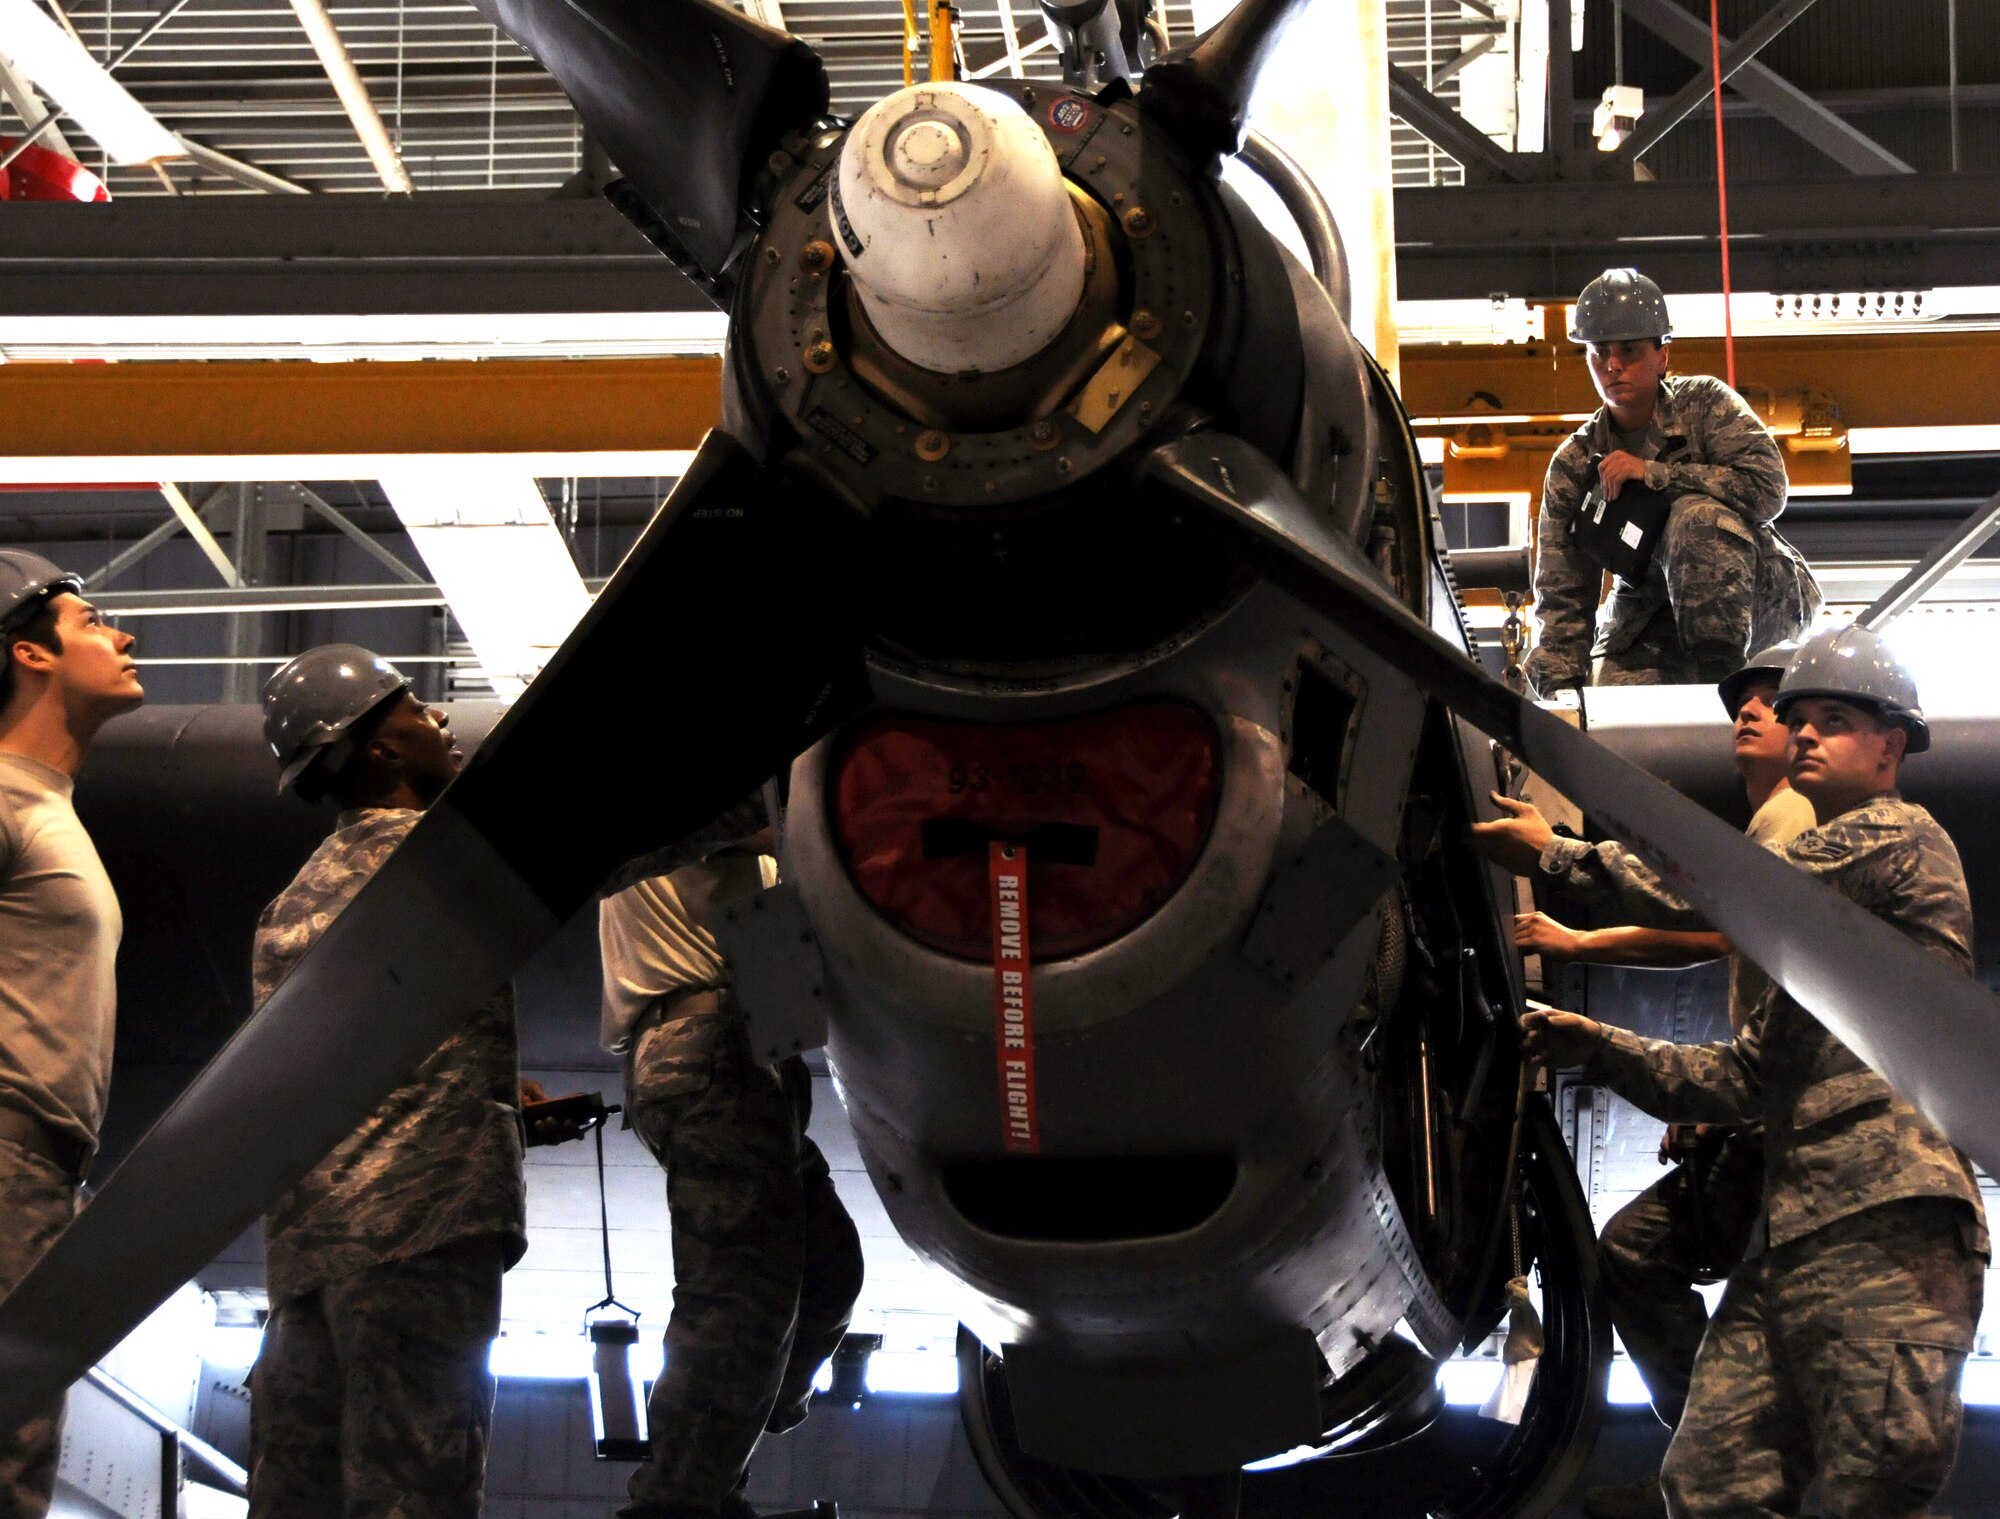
[[1672, 485], [767, 1263], [371, 1396], [1694, 1223], [64, 673], [1837, 1348]]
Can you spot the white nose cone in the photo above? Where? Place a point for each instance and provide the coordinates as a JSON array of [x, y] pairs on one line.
[[951, 210]]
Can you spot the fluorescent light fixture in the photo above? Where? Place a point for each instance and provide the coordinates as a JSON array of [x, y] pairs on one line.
[[925, 1373], [1500, 319], [531, 1355], [486, 535], [540, 1358], [86, 469], [1971, 438], [199, 1501], [1767, 313], [232, 1345], [617, 1398], [1469, 1383], [1981, 1387], [1626, 1387], [64, 68]]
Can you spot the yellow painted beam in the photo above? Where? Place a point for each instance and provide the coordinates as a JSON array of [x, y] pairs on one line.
[[539, 406], [1923, 379], [495, 406]]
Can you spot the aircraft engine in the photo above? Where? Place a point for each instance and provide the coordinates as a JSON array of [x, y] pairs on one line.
[[1227, 1173], [1075, 563]]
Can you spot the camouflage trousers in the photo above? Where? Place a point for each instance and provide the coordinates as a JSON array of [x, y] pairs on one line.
[[371, 1396], [767, 1263], [1725, 598], [1690, 1226], [1838, 1356], [37, 1201]]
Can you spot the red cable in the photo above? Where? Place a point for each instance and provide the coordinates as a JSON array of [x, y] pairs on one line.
[[1722, 192]]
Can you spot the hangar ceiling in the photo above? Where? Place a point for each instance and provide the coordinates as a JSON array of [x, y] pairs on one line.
[[1883, 84]]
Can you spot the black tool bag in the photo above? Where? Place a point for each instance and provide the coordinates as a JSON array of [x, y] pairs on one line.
[[1621, 535]]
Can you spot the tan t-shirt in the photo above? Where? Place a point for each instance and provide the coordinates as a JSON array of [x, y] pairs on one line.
[[1782, 818], [59, 932], [655, 939]]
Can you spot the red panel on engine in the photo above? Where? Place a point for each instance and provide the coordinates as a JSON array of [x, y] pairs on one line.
[[1113, 808]]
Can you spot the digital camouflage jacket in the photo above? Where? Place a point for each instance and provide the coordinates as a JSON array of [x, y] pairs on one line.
[[1838, 1138], [1719, 449], [440, 1159]]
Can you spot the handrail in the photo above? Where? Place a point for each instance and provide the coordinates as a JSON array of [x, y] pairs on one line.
[[234, 1479]]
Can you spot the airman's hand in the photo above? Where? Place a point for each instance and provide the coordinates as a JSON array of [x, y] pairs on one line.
[[1552, 1039], [1616, 469], [543, 1129], [1517, 840], [1536, 933]]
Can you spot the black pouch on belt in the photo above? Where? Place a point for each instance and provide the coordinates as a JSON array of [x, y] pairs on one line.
[[1622, 535]]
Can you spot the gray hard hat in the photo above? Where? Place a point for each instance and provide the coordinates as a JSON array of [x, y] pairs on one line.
[[1853, 664], [312, 702], [1767, 665], [26, 581], [1620, 305]]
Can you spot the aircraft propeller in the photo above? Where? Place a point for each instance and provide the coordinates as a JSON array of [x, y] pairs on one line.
[[1913, 1017], [719, 652], [712, 659]]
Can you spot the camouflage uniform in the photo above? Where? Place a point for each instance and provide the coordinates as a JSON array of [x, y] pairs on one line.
[[767, 1263], [1694, 1224], [1722, 582], [1838, 1345], [371, 1395], [40, 1201]]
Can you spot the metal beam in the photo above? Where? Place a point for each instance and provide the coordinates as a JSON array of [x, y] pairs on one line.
[[223, 412], [354, 96], [1451, 69], [236, 169], [1425, 113], [27, 103], [1897, 380], [1560, 124], [198, 530], [1947, 555], [1735, 55], [1543, 241], [125, 558], [332, 254], [174, 410], [356, 536], [237, 600], [1851, 149]]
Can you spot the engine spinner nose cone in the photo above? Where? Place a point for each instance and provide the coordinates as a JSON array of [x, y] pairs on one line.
[[958, 229], [928, 150]]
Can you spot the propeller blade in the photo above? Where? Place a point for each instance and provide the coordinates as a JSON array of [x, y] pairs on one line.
[[708, 663], [1201, 91], [689, 97], [1926, 1027]]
